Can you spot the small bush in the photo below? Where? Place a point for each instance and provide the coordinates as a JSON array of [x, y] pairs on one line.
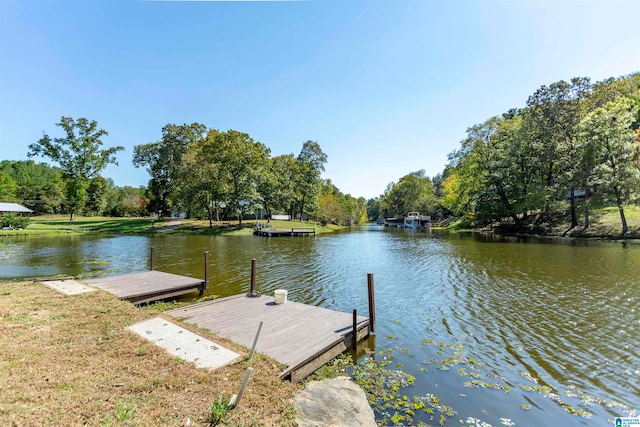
[[14, 221]]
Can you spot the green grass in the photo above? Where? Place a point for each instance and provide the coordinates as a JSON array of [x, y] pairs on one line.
[[233, 228], [52, 225], [59, 224], [604, 222], [219, 409]]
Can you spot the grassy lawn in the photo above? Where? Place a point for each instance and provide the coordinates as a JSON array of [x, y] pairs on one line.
[[60, 224], [69, 360], [604, 222], [234, 228]]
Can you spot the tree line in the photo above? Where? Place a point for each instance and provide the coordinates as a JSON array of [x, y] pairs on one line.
[[205, 172], [196, 171], [575, 143], [42, 188]]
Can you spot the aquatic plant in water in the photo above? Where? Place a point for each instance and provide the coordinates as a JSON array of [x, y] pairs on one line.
[[383, 387]]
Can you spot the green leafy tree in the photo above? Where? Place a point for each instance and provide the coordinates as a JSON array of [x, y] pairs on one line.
[[525, 162], [240, 160], [7, 187], [334, 207], [308, 181], [373, 209], [359, 212], [204, 187], [412, 193], [39, 186], [490, 177], [329, 210], [97, 196], [163, 161], [556, 111], [608, 133], [276, 183], [131, 202], [79, 156], [456, 195]]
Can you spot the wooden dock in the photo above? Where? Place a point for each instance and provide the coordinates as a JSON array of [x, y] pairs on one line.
[[301, 336], [148, 286], [266, 230]]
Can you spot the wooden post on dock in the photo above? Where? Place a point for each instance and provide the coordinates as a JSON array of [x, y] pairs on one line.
[[152, 261], [206, 269], [372, 303], [354, 334], [253, 293]]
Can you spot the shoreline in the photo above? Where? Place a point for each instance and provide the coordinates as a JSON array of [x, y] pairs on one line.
[[70, 360]]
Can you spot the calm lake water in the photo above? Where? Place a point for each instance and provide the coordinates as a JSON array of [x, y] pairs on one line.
[[487, 326]]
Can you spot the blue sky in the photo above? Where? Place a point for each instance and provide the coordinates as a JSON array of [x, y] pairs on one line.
[[385, 87]]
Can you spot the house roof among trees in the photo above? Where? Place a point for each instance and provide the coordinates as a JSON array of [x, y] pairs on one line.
[[14, 208]]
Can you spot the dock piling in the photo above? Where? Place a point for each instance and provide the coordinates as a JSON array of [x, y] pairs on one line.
[[206, 269], [372, 303], [152, 259], [253, 293], [354, 333]]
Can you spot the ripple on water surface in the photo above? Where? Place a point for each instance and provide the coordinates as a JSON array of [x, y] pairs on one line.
[[555, 324]]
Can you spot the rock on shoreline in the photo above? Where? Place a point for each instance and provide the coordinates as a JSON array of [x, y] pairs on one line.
[[333, 402]]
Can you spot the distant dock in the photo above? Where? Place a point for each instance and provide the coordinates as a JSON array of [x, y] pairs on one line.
[[262, 229]]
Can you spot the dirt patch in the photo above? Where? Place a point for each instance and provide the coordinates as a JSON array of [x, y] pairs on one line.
[[70, 360]]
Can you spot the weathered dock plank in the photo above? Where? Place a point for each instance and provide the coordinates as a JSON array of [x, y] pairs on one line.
[[147, 286], [301, 336]]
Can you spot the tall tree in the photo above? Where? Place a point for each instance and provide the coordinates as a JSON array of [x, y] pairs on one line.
[[311, 161], [373, 209], [163, 161], [457, 190], [204, 186], [556, 111], [412, 193], [609, 132], [7, 187], [485, 158], [79, 156], [275, 183], [240, 160], [97, 196]]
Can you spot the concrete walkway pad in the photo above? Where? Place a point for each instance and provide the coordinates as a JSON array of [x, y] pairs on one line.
[[184, 344], [68, 287]]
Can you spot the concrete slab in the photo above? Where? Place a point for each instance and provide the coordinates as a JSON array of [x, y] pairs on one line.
[[68, 287], [184, 344]]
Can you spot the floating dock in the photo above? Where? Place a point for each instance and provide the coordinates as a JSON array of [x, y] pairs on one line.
[[148, 286], [266, 230], [301, 336]]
